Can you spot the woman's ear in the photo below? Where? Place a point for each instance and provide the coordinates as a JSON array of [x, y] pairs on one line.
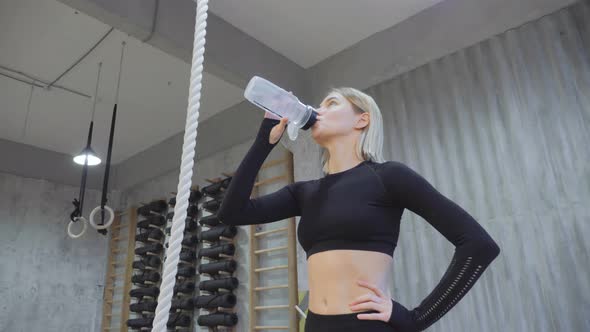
[[363, 120]]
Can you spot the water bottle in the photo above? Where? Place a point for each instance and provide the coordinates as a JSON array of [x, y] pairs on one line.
[[274, 99]]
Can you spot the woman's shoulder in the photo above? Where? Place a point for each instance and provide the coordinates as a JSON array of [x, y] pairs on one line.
[[391, 166], [395, 173], [305, 183], [387, 168], [302, 184]]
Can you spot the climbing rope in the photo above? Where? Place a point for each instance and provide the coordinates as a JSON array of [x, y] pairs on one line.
[[186, 172]]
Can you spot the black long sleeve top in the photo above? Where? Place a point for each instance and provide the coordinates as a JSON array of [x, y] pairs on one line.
[[361, 208]]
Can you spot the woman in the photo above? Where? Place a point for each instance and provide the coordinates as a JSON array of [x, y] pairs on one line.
[[350, 221]]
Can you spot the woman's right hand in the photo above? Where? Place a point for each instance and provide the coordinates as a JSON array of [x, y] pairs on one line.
[[277, 131]]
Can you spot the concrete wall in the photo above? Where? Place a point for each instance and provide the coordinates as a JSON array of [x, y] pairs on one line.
[[48, 281]]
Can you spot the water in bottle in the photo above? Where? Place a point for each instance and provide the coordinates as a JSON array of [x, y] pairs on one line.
[[276, 100]]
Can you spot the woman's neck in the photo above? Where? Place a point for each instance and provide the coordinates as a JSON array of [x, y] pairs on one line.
[[342, 157], [342, 165]]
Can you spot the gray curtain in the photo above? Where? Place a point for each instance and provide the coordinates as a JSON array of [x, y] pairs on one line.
[[502, 128]]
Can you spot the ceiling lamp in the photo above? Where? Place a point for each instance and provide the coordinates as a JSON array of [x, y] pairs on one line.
[[88, 156]]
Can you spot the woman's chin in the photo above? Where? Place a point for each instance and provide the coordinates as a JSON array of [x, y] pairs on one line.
[[316, 134]]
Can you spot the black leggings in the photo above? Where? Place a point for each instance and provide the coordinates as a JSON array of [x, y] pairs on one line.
[[344, 323]]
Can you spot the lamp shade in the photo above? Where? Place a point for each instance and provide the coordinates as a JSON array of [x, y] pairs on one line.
[[87, 154]]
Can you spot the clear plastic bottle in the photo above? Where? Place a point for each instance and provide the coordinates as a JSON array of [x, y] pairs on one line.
[[276, 100]]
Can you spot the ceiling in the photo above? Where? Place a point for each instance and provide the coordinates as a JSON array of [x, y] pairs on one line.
[[44, 38], [312, 30]]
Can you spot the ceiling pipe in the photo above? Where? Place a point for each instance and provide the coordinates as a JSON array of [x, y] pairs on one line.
[[81, 58], [154, 21], [34, 81]]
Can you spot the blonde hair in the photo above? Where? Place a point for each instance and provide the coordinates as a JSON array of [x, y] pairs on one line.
[[370, 145]]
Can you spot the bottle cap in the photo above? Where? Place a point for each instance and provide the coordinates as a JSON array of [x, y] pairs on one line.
[[312, 119]]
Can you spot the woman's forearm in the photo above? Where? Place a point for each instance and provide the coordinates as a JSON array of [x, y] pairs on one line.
[[237, 208]]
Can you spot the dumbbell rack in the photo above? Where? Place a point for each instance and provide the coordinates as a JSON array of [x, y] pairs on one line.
[[147, 266], [182, 309], [215, 259]]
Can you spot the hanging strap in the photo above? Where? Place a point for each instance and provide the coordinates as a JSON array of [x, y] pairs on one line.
[[105, 183], [79, 203]]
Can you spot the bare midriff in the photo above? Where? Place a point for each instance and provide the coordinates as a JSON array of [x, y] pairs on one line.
[[333, 276]]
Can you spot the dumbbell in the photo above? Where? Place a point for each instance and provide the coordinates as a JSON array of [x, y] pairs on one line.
[[228, 266], [149, 306], [145, 291], [146, 276], [210, 220], [186, 287], [155, 234], [213, 285], [218, 318], [213, 234], [155, 248], [154, 220], [158, 206], [224, 300], [213, 252]]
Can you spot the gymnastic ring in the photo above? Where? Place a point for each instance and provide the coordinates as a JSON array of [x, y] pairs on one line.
[[107, 224], [84, 226]]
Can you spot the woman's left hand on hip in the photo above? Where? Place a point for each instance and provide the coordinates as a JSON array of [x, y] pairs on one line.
[[376, 300]]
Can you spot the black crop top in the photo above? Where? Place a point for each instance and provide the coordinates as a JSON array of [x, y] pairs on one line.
[[360, 208]]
